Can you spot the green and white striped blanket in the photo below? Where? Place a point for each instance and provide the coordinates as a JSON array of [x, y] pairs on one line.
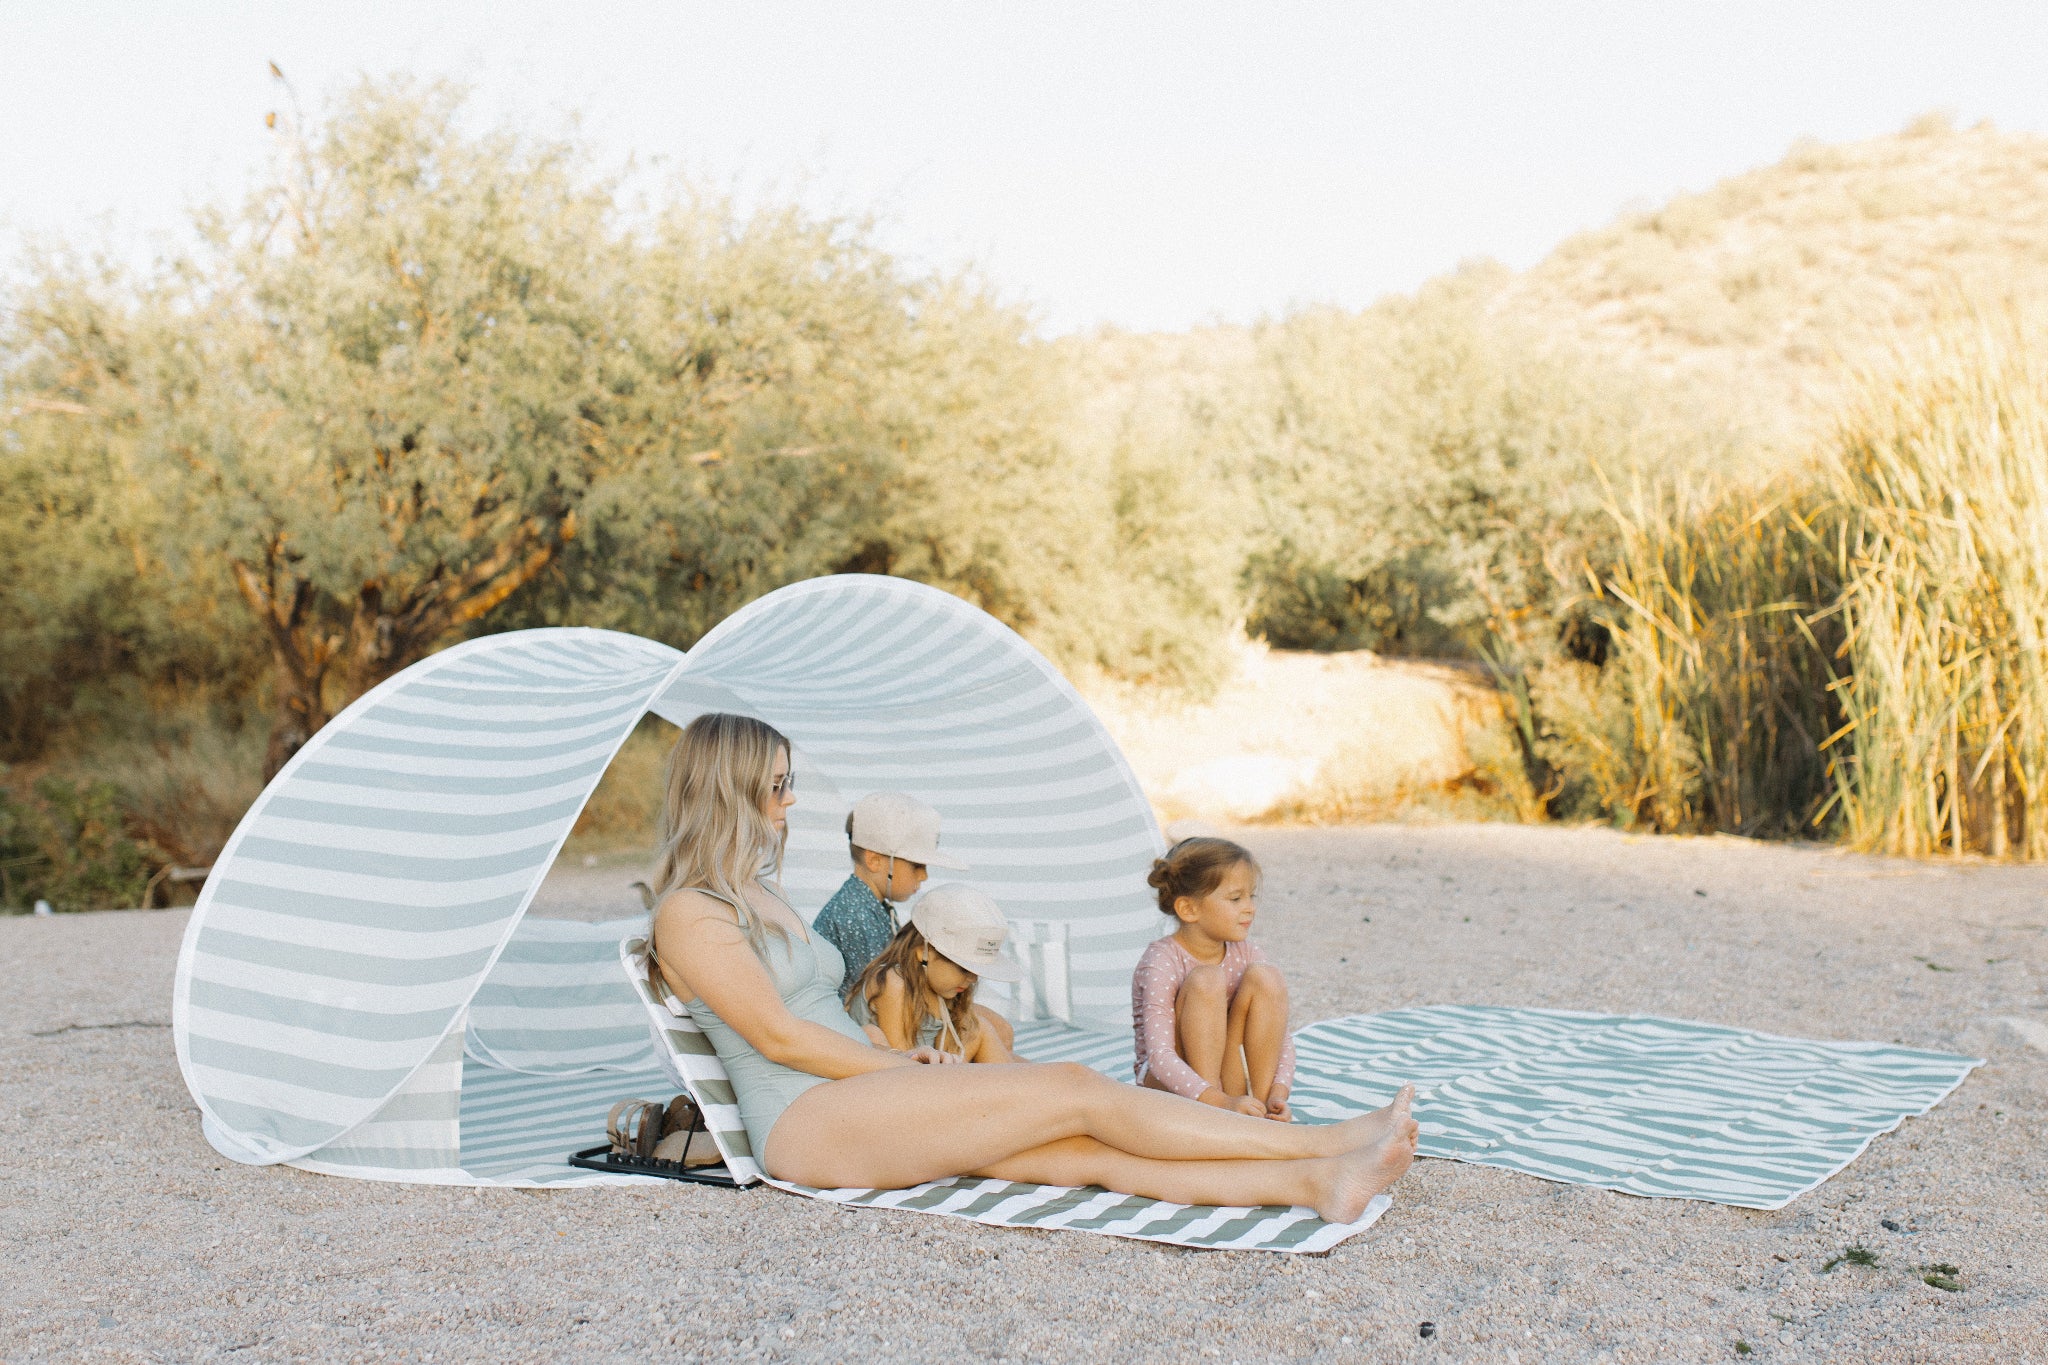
[[1641, 1105], [1634, 1103]]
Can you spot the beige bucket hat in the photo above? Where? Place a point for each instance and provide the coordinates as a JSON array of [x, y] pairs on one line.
[[899, 826], [968, 928]]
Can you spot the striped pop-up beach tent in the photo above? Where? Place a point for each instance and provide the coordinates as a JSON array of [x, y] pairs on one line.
[[360, 992]]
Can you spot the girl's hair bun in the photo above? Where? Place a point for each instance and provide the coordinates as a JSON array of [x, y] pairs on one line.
[[1196, 866]]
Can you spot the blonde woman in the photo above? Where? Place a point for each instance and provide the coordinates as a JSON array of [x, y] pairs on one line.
[[824, 1106]]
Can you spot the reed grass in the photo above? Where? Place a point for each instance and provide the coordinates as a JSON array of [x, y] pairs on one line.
[[1940, 470], [1858, 648]]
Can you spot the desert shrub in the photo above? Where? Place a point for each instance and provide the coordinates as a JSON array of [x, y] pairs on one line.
[[1852, 648], [625, 810], [184, 768], [1426, 472], [65, 842]]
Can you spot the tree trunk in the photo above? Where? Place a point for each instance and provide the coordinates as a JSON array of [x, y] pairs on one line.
[[283, 602], [385, 632], [301, 711]]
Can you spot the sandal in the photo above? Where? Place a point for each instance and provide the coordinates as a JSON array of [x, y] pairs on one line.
[[644, 1129], [634, 1127], [684, 1137]]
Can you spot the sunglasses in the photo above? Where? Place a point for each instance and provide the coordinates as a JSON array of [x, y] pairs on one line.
[[783, 785]]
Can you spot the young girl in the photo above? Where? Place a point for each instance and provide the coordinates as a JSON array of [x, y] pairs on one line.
[[919, 991], [1210, 1012]]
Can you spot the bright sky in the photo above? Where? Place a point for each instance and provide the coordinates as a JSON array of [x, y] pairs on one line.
[[1147, 165]]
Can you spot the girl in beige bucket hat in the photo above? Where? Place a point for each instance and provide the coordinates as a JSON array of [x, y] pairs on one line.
[[919, 991]]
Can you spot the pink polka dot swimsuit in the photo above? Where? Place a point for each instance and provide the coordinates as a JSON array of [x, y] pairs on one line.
[[1155, 987]]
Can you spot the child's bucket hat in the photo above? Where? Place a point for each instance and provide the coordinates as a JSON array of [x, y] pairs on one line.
[[968, 928], [899, 826]]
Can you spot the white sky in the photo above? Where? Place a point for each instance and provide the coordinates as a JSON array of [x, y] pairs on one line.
[[1148, 165]]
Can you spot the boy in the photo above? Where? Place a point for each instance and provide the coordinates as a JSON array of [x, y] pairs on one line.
[[893, 839]]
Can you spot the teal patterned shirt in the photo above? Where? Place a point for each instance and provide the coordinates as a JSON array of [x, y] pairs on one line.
[[858, 923]]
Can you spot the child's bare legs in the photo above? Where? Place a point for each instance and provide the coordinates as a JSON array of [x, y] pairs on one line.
[[1255, 1033], [1201, 1017], [998, 1042]]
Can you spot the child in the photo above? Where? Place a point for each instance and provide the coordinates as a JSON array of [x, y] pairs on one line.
[[893, 838], [919, 991], [1210, 1011]]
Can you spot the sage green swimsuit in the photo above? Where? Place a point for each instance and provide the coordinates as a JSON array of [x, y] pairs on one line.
[[807, 973]]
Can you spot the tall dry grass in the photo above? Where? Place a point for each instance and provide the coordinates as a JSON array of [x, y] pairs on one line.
[[1859, 648], [1709, 701], [1940, 471]]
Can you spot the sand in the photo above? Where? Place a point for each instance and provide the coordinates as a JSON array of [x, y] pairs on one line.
[[127, 1238], [1295, 729]]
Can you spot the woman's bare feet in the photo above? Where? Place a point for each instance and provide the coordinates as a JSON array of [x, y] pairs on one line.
[[1353, 1134], [1349, 1182]]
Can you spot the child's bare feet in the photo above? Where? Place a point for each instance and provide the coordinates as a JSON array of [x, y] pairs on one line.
[[1363, 1131], [1349, 1182]]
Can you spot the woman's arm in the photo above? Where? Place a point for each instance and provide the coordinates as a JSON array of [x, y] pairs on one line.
[[705, 956]]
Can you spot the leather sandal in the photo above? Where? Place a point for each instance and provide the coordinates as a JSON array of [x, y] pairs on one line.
[[634, 1127]]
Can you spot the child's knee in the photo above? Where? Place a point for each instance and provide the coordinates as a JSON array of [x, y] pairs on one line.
[[996, 1024], [1205, 986], [1264, 982]]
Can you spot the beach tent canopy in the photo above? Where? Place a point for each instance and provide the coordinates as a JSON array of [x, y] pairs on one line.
[[359, 991]]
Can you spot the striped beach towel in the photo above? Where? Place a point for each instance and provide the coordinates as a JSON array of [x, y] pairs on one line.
[[1633, 1103], [999, 1203]]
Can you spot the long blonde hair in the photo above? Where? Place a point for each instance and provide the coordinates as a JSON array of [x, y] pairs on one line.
[[713, 834], [903, 956]]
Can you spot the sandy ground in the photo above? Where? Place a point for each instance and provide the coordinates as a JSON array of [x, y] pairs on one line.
[[1291, 727], [127, 1238]]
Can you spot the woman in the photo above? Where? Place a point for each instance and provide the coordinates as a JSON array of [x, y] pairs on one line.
[[823, 1106]]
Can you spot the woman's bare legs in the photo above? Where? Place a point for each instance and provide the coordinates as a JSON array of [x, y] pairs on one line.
[[1337, 1187], [1256, 1031], [905, 1125]]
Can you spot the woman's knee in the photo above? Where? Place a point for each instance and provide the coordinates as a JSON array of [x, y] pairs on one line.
[[1076, 1075]]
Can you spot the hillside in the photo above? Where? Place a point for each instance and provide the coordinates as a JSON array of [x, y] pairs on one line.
[[1749, 296], [1761, 287]]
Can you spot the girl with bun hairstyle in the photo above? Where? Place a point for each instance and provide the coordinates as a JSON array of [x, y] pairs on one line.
[[824, 1106], [1210, 1012]]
